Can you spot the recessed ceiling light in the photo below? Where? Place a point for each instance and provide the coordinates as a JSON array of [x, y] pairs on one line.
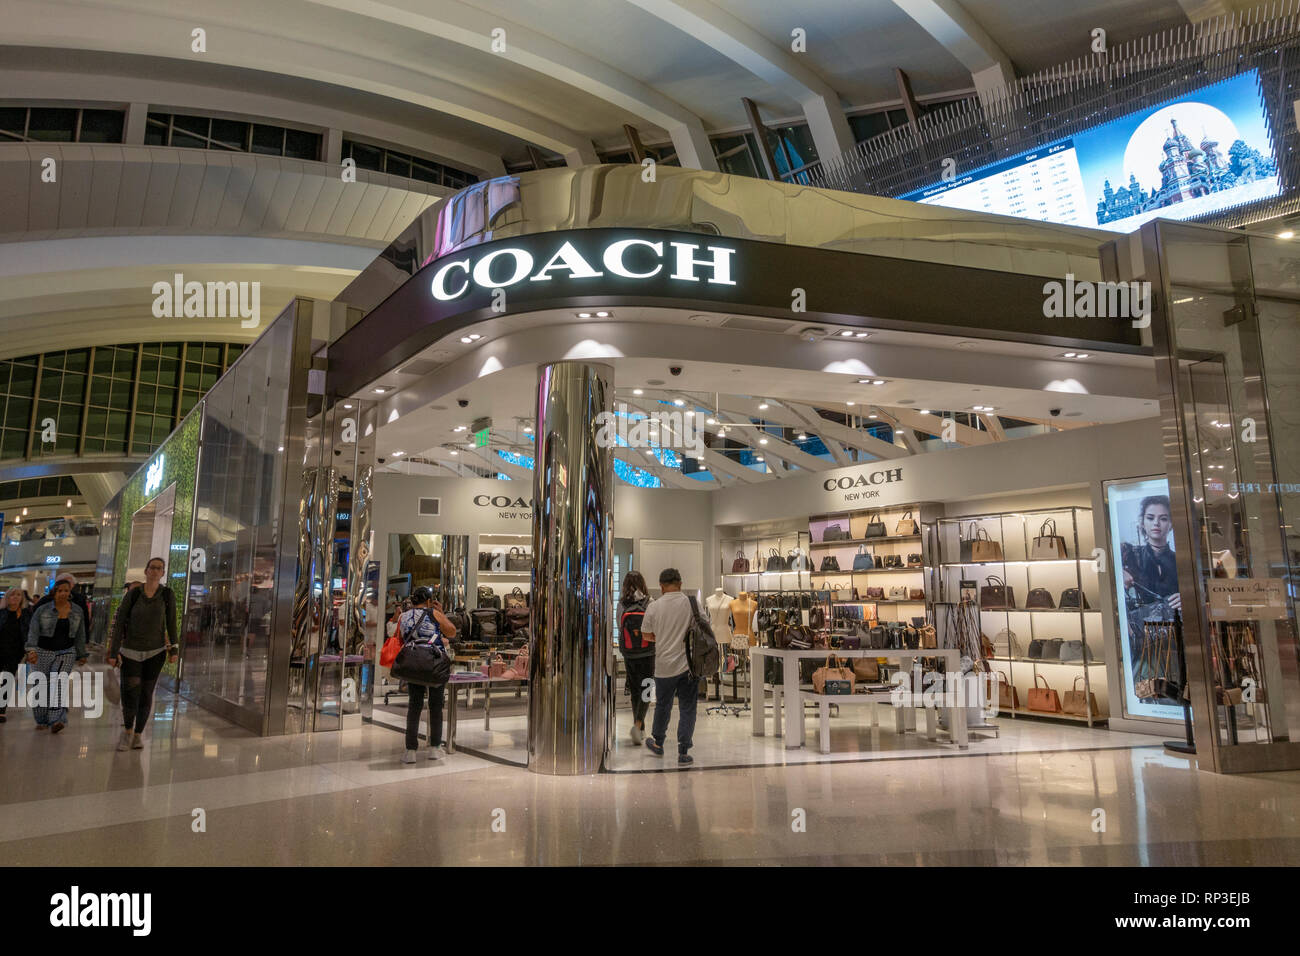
[[584, 315], [470, 446], [347, 405], [873, 416], [1082, 355], [925, 411], [649, 452], [759, 458], [460, 428], [1286, 234], [878, 381], [762, 406], [528, 429], [602, 315], [710, 421], [762, 441], [281, 448], [678, 402], [847, 333], [801, 437], [380, 390], [1070, 354], [850, 403], [638, 391], [465, 340], [455, 452], [398, 454], [862, 335]]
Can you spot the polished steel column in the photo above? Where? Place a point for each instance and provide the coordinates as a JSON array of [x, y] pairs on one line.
[[573, 519]]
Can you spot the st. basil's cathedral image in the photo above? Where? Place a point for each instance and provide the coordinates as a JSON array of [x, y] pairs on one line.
[[1186, 172]]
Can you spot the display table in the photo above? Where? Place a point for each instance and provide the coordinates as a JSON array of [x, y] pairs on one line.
[[470, 680], [791, 696]]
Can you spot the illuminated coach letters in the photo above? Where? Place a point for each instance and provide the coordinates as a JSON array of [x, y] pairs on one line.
[[864, 480], [690, 262]]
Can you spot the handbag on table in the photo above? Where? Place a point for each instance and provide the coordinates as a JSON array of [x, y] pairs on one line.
[[984, 549], [1039, 598], [875, 528], [741, 564], [1078, 703], [829, 563], [833, 669], [1073, 598], [996, 595], [906, 525], [1043, 699], [833, 532], [517, 559], [1047, 544], [862, 561], [866, 669]]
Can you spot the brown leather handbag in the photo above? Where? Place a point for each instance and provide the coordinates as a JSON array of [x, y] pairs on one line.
[[1043, 699], [834, 669], [741, 564], [875, 594], [983, 548], [916, 594], [1039, 598], [929, 636], [906, 525], [997, 595], [1008, 696], [866, 669], [1075, 704]]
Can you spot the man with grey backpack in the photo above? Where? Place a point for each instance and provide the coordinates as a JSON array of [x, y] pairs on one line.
[[685, 652]]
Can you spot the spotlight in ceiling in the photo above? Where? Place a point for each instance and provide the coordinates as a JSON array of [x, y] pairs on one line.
[[455, 452], [638, 391], [762, 441], [925, 411], [381, 390], [850, 403], [710, 421], [847, 333], [801, 437], [862, 335], [759, 458], [1286, 234], [584, 315], [678, 402], [762, 406], [397, 454], [528, 429], [460, 428], [602, 315], [68, 503], [873, 415], [347, 404]]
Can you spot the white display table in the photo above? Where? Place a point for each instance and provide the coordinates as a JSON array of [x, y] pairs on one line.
[[792, 696]]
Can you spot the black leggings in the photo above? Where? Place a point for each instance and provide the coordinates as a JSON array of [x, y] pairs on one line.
[[138, 681], [415, 694], [9, 664], [640, 670]]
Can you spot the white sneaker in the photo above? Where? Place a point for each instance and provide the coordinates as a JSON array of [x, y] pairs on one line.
[[437, 753], [137, 741], [638, 735], [408, 757], [124, 742]]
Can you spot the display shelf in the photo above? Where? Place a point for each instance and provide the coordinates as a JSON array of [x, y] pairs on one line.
[[505, 574], [1039, 660], [908, 601], [1026, 712], [831, 574], [857, 541], [503, 534], [1039, 610], [1015, 563]]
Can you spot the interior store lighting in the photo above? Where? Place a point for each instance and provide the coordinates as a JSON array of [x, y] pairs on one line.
[[584, 315], [460, 428], [528, 429], [602, 315], [380, 390], [762, 406], [347, 404], [1286, 234], [678, 402], [398, 454], [638, 391], [762, 441], [847, 333]]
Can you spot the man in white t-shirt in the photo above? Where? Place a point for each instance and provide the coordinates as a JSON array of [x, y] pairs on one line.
[[665, 623]]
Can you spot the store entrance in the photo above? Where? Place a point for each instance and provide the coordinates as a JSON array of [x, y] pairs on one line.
[[151, 533]]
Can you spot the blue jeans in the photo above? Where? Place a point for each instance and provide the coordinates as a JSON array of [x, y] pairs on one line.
[[686, 689]]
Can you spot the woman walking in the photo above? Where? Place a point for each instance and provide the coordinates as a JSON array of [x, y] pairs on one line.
[[55, 638], [15, 620], [144, 635], [425, 622], [638, 654]]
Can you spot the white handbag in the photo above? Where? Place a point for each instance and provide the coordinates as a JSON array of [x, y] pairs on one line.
[[1048, 544], [898, 594]]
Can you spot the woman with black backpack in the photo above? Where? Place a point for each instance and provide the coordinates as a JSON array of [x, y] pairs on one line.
[[638, 654], [425, 622], [142, 640]]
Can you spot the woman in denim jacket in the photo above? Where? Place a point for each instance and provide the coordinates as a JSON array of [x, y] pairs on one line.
[[56, 638]]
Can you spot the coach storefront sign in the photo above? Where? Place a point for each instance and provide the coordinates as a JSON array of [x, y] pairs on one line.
[[503, 267], [862, 486], [507, 507]]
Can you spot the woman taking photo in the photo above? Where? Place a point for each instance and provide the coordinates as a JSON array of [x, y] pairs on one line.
[[638, 654], [425, 622], [144, 635], [15, 620], [55, 638]]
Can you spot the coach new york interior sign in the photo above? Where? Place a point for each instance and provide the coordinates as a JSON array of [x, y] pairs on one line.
[[635, 259]]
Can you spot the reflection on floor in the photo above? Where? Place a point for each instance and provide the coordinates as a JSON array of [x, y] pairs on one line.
[[344, 798]]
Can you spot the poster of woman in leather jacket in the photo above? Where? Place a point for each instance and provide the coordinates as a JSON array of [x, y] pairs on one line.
[[1146, 585]]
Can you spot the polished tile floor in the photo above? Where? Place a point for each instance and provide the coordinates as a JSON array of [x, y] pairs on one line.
[[344, 798]]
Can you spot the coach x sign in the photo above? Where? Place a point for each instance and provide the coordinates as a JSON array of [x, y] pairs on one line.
[[625, 258]]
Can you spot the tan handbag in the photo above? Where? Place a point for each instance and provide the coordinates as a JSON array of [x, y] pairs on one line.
[[929, 636], [866, 669], [1043, 699], [984, 548], [906, 525], [1008, 696], [1075, 703], [832, 670]]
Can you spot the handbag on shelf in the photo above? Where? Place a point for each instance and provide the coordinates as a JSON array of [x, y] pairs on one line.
[[833, 532], [817, 617], [984, 549], [829, 563], [741, 564], [996, 595], [821, 640], [833, 669], [898, 593], [914, 560], [794, 637], [1073, 598], [485, 560], [1075, 651], [1006, 638], [1048, 649], [1043, 699], [875, 594], [838, 688], [906, 525], [487, 597], [1008, 696], [1039, 598], [774, 561], [851, 642], [866, 669], [863, 561], [965, 541], [487, 622], [929, 636], [1079, 703], [893, 561], [916, 594], [516, 598], [795, 560], [878, 638], [1048, 545], [518, 618], [911, 638], [875, 528], [517, 559]]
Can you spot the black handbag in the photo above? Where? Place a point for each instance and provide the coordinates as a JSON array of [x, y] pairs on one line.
[[1071, 597], [964, 543], [1047, 649], [833, 532], [519, 560], [422, 662], [877, 639], [997, 595], [876, 528], [487, 623], [893, 560], [1039, 598], [487, 597], [774, 561], [517, 618], [830, 563], [485, 560], [914, 560]]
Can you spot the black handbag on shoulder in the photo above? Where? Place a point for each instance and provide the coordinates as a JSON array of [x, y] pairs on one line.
[[422, 662]]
